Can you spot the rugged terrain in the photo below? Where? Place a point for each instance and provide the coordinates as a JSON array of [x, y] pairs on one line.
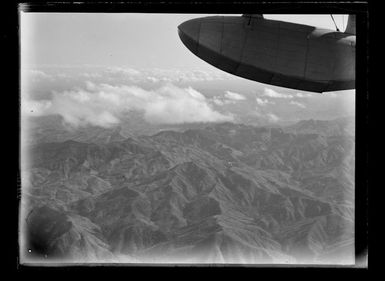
[[225, 193]]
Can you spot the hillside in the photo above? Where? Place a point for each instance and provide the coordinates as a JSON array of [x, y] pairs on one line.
[[224, 193]]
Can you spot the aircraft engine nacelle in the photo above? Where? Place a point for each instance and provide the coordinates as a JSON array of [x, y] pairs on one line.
[[274, 52]]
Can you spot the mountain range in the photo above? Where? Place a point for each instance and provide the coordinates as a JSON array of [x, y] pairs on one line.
[[218, 193]]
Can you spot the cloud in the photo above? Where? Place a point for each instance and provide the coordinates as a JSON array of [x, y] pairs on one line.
[[122, 71], [35, 75], [34, 108], [104, 105], [218, 101], [177, 75], [266, 116], [152, 79], [156, 75], [302, 95], [273, 94], [228, 98], [195, 94], [125, 74], [184, 76], [298, 104], [263, 102], [90, 75], [234, 96], [272, 117]]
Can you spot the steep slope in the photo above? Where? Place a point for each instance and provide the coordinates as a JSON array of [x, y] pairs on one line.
[[56, 234], [227, 193]]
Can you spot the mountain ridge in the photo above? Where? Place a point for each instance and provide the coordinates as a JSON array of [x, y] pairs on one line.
[[224, 193]]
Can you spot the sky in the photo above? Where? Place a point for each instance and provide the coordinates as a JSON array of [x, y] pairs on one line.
[[135, 40], [94, 69]]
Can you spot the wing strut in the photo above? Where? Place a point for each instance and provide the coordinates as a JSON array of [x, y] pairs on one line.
[[334, 23]]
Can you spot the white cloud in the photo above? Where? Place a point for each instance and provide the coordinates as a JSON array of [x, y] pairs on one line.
[[298, 104], [272, 117], [34, 108], [104, 104], [218, 101], [263, 102], [221, 101], [273, 94], [153, 79], [35, 74], [90, 75], [265, 116], [194, 75], [183, 76], [302, 95], [195, 94], [234, 96], [125, 71]]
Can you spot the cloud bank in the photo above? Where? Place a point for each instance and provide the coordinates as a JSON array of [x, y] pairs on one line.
[[273, 94], [123, 73], [234, 96], [104, 105], [265, 115], [302, 95], [263, 102], [298, 104]]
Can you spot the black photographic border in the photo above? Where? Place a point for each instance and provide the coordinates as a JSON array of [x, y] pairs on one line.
[[361, 9]]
